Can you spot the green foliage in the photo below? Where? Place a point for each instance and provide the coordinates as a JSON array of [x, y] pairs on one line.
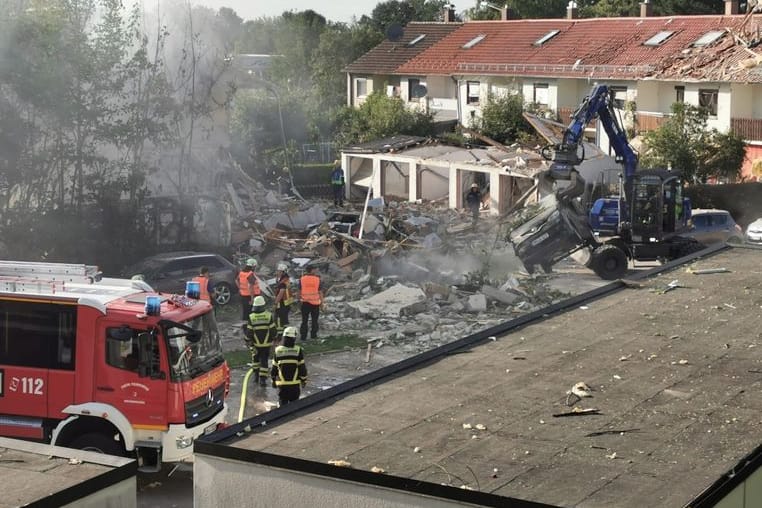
[[684, 144], [524, 9], [614, 8], [502, 118], [402, 12], [381, 116]]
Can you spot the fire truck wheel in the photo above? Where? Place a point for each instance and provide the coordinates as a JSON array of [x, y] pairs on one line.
[[99, 443]]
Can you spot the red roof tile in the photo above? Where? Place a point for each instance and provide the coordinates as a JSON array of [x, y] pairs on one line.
[[597, 48], [388, 55]]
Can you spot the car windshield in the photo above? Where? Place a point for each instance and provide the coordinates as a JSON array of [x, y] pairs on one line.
[[194, 346]]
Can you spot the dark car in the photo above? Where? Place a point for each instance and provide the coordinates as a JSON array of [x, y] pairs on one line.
[[168, 272]]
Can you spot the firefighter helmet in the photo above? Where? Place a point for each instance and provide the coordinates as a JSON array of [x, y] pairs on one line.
[[289, 331], [282, 267], [259, 301], [251, 262]]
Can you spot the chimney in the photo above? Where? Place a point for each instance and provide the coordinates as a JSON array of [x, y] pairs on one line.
[[449, 13], [507, 13], [571, 10], [646, 9], [731, 7]]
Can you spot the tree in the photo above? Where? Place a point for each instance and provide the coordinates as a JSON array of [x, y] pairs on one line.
[[615, 8], [685, 144], [381, 116], [402, 12], [502, 118], [525, 9]]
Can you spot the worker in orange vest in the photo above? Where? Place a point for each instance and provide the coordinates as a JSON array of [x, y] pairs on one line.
[[206, 290], [311, 295], [248, 287]]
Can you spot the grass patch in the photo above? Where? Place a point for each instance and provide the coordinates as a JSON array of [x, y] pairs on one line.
[[329, 344]]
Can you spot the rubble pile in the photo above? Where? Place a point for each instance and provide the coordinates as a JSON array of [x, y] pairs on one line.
[[420, 274]]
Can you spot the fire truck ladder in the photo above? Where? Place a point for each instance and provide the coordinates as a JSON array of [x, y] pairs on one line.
[[32, 277]]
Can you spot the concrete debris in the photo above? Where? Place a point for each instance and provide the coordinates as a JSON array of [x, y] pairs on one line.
[[477, 303], [339, 463], [393, 302], [705, 271], [499, 295]]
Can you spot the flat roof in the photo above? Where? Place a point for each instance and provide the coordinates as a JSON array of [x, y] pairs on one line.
[[53, 476], [674, 377]]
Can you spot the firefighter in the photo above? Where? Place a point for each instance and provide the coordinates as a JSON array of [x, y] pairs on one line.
[[248, 287], [260, 332], [289, 372], [311, 295], [283, 298], [474, 202]]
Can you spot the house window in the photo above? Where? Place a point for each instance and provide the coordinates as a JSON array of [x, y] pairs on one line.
[[619, 96], [361, 87], [541, 95], [472, 92], [708, 100], [680, 94], [415, 89]]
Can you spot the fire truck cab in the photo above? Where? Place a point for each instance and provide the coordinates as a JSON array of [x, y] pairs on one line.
[[86, 363]]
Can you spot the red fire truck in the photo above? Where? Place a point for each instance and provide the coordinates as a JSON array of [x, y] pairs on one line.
[[107, 365]]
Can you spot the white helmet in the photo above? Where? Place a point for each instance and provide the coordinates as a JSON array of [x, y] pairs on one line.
[[251, 262], [259, 301], [289, 331], [282, 267]]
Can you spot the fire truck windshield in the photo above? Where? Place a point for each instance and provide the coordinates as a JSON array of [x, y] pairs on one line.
[[194, 346]]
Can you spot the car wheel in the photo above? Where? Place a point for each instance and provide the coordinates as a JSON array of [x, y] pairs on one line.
[[222, 293], [609, 262]]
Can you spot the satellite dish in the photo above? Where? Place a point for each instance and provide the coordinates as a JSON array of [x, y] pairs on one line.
[[394, 32], [419, 91]]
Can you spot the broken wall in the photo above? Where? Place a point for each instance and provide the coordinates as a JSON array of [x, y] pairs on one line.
[[433, 182]]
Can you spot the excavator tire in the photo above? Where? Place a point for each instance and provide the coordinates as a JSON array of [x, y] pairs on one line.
[[609, 262]]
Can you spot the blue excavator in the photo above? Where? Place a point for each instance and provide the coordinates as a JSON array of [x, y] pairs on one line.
[[644, 221]]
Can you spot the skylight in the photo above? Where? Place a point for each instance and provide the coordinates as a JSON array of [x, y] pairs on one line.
[[416, 40], [709, 37], [473, 42], [659, 38], [545, 38]]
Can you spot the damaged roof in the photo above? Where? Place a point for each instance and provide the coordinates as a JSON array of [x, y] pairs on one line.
[[674, 379], [708, 48], [389, 55]]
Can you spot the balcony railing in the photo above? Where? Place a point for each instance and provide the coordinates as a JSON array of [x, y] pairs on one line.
[[646, 121], [750, 129]]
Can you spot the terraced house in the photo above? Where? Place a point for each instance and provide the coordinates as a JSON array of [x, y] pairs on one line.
[[449, 68]]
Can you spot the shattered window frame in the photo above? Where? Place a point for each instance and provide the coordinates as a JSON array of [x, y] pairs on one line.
[[708, 98], [660, 38], [708, 38], [680, 94], [541, 94]]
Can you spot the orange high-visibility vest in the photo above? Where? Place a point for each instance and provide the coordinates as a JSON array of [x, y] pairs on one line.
[[203, 282], [311, 289], [243, 283]]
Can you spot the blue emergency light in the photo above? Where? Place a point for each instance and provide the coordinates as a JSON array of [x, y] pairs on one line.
[[193, 289], [153, 305]]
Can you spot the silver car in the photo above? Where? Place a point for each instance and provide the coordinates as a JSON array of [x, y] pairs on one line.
[[754, 232], [709, 225]]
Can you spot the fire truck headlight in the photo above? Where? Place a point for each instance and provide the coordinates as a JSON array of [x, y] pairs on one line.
[[183, 442]]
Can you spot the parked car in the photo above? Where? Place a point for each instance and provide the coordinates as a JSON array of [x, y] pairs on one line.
[[754, 232], [168, 272], [709, 225]]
